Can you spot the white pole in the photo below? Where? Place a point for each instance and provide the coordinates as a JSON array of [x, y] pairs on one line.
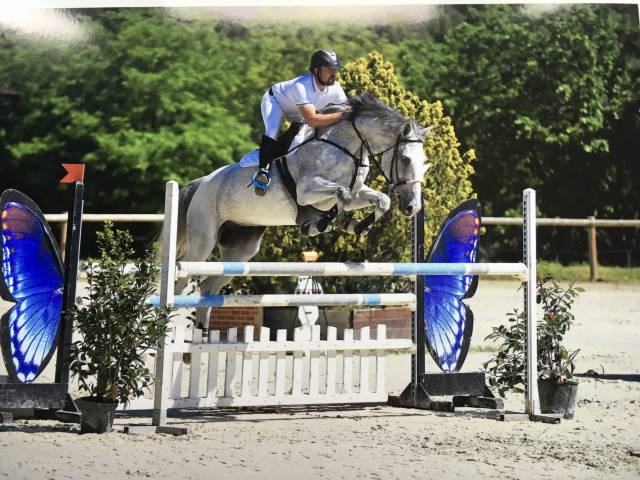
[[167, 281], [532, 399], [321, 269]]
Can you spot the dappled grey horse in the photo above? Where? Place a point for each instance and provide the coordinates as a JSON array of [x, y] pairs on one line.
[[328, 168]]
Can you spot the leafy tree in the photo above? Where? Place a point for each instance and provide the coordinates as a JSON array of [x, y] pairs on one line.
[[139, 105], [539, 98], [546, 101]]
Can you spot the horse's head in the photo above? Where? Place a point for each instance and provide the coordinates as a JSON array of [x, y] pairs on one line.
[[381, 129], [405, 166], [401, 143]]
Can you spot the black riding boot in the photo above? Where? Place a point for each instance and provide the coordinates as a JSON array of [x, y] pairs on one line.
[[262, 178]]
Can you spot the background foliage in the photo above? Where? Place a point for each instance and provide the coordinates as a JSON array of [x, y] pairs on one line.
[[549, 100]]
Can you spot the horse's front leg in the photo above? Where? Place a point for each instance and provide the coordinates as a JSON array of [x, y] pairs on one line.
[[315, 190], [366, 197]]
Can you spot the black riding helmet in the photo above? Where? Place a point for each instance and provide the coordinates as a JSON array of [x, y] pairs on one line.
[[324, 58]]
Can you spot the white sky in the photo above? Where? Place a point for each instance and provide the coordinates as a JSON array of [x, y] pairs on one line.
[[35, 19], [218, 3]]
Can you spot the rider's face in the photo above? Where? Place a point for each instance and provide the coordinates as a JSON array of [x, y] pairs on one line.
[[327, 75]]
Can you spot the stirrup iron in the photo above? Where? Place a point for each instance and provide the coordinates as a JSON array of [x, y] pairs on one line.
[[261, 181]]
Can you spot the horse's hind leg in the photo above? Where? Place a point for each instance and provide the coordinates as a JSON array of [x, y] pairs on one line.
[[237, 244], [202, 231]]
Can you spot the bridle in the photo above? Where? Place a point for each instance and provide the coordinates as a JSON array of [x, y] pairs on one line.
[[359, 160], [394, 160]]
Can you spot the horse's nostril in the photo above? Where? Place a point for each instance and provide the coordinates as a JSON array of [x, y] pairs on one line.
[[408, 210]]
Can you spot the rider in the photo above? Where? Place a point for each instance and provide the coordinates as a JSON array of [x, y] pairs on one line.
[[298, 100]]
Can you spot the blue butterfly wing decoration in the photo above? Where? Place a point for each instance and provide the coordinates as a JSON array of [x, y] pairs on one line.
[[31, 278], [448, 321]]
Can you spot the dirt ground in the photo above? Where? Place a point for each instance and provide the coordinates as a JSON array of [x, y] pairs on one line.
[[602, 441]]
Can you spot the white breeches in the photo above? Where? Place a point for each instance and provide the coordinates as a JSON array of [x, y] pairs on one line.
[[272, 115]]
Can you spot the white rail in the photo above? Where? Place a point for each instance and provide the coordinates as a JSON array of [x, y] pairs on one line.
[[268, 269]]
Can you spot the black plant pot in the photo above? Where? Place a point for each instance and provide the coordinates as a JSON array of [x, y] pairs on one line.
[[556, 398], [97, 417]]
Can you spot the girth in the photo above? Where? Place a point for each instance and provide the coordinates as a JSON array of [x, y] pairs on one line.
[[303, 211]]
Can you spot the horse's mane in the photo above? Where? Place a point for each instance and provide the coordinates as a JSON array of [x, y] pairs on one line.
[[367, 104]]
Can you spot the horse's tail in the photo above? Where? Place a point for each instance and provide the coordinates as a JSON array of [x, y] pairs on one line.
[[184, 200]]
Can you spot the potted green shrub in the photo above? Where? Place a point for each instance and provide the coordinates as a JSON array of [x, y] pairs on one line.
[[556, 364], [117, 326]]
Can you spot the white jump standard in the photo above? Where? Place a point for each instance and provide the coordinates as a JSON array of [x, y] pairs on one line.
[[313, 348]]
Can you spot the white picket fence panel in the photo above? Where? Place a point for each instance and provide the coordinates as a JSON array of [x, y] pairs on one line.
[[307, 370]]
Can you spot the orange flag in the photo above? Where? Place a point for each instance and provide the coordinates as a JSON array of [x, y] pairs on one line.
[[75, 172]]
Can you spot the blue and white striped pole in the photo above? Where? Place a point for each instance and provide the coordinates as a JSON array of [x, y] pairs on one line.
[[271, 269], [322, 300]]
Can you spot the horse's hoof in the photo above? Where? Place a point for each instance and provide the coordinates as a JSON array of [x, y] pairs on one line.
[[351, 227], [323, 223], [364, 226], [346, 224]]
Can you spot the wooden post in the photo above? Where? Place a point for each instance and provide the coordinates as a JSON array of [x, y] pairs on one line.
[[593, 250], [63, 238]]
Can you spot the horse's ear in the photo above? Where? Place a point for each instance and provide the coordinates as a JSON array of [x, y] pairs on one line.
[[411, 127], [407, 129], [424, 132]]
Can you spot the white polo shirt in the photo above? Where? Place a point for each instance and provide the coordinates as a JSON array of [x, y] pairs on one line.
[[304, 90]]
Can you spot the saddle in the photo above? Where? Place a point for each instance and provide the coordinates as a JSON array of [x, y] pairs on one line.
[[283, 142]]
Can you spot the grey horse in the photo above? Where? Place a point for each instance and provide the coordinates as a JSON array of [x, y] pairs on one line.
[[329, 168]]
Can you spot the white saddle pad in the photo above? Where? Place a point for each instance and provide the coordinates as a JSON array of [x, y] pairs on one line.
[[250, 159]]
